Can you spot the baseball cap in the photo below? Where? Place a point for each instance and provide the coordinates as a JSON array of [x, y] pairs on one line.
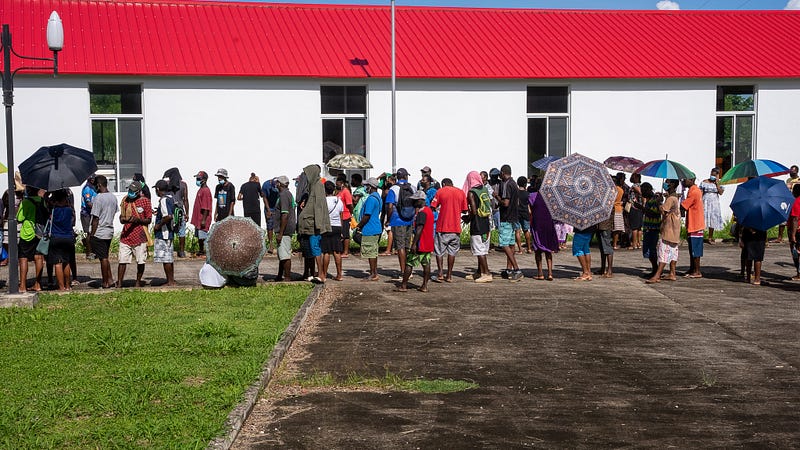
[[283, 179], [419, 195], [372, 181], [135, 186], [222, 173], [202, 175], [425, 169], [162, 185], [494, 171], [402, 173]]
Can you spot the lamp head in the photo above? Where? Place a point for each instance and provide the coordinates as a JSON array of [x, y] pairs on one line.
[[55, 33]]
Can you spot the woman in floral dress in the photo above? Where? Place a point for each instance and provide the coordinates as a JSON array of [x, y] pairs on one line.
[[711, 192]]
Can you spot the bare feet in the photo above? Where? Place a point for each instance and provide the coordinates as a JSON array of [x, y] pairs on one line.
[[422, 289], [375, 278], [653, 280]]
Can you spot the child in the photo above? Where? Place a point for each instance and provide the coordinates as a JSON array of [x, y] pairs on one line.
[[422, 244]]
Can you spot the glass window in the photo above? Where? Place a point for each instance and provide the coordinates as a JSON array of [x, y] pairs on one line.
[[735, 98], [115, 99], [116, 132], [537, 142], [548, 99], [347, 133], [736, 118], [344, 99]]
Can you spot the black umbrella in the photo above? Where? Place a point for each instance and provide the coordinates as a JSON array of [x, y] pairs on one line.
[[57, 167]]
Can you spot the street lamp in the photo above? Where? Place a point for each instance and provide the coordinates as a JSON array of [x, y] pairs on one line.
[[55, 41]]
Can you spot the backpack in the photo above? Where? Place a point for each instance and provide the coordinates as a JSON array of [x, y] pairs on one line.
[[405, 206], [484, 201]]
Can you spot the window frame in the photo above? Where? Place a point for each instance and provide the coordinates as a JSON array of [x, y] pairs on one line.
[[735, 115], [343, 117], [548, 116]]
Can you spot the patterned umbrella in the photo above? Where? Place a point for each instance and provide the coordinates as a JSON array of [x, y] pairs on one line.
[[623, 163], [762, 203], [753, 168], [542, 163], [578, 191], [666, 169], [348, 161], [235, 246]]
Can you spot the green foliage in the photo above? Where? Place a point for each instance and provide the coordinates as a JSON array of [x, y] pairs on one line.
[[135, 368]]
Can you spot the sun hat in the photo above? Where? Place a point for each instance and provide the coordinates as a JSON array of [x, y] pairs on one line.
[[222, 173], [372, 181], [135, 186], [419, 195], [283, 179]]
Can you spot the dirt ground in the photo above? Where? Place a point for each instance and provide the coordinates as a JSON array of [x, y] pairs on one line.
[[613, 362]]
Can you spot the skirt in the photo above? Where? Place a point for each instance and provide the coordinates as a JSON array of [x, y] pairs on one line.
[[332, 242]]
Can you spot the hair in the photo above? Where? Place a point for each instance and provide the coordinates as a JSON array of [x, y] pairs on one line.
[[427, 179], [506, 169], [484, 174], [536, 184], [356, 179], [794, 167], [715, 170], [647, 189], [522, 181], [796, 190], [341, 178], [673, 183], [330, 187], [621, 176], [59, 195], [254, 177], [101, 180], [636, 178], [447, 182]]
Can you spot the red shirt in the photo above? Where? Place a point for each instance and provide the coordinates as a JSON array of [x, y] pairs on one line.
[[202, 202], [795, 212], [695, 219], [425, 218], [347, 200], [133, 234], [451, 202]]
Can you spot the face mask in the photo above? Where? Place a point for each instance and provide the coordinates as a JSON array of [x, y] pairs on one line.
[[198, 182], [296, 183], [712, 178], [132, 195], [221, 182], [665, 186]]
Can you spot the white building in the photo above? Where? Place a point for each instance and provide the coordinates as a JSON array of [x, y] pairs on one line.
[[258, 87]]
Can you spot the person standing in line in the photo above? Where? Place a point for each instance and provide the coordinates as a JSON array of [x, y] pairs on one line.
[[104, 208], [478, 216], [451, 203], [606, 248], [753, 243], [670, 233], [712, 190], [346, 197], [401, 224], [426, 172], [580, 249], [136, 213], [494, 183], [422, 243], [371, 227], [251, 197], [145, 189], [695, 224], [201, 213], [523, 226], [164, 232], [88, 193], [312, 222], [793, 180], [508, 206], [544, 239], [285, 226], [794, 230], [225, 193], [269, 196], [619, 218], [32, 217], [62, 238], [635, 213], [332, 242], [651, 224], [360, 194], [180, 195]]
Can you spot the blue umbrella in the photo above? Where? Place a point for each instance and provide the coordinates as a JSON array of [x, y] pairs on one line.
[[542, 163], [761, 203]]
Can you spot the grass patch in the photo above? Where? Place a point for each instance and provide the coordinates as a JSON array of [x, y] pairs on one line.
[[134, 368], [389, 382]]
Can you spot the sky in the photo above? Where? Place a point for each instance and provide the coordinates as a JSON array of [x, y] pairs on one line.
[[580, 4]]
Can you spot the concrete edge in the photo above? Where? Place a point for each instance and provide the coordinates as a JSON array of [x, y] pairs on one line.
[[239, 414], [20, 300]]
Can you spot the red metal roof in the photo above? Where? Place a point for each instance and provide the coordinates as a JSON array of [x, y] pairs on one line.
[[197, 38]]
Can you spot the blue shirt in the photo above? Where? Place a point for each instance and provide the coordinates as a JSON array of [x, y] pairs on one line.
[[166, 205], [270, 193], [372, 206], [87, 195], [391, 198], [62, 222]]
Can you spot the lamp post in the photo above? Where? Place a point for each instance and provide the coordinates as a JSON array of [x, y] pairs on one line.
[[394, 91], [55, 41]]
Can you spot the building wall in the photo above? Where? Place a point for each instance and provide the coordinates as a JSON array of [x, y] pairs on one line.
[[273, 127]]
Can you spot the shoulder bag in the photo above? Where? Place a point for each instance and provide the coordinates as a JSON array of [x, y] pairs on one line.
[[43, 246]]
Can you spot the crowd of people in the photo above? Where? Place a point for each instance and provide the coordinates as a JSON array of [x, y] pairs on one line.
[[422, 223]]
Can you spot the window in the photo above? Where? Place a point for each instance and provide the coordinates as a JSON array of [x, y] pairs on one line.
[[736, 115], [548, 123], [116, 117], [344, 122]]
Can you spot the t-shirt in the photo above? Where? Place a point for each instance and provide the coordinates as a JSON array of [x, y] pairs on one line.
[[225, 194], [372, 206], [87, 196], [287, 206], [424, 218], [270, 192], [133, 234], [393, 198], [26, 217], [347, 199], [251, 198], [61, 226], [695, 218], [166, 206], [523, 212], [618, 200], [429, 195], [105, 208], [671, 223], [510, 191], [202, 202], [361, 193], [451, 202], [795, 212], [651, 220], [335, 208], [477, 225]]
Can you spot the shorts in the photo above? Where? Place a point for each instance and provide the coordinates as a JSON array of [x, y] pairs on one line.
[[61, 250], [310, 245], [524, 225], [696, 247], [667, 253], [650, 244], [369, 246], [402, 236], [496, 219], [580, 243], [127, 253], [345, 230], [285, 248], [619, 222], [479, 244], [271, 221], [86, 223], [182, 229], [418, 259], [605, 242], [163, 251], [27, 249], [755, 250], [100, 247], [332, 242], [449, 243], [200, 234], [506, 234]]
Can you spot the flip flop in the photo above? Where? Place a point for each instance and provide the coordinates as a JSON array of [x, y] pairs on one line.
[[435, 279]]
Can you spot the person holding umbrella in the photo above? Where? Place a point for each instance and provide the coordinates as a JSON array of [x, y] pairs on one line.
[[670, 233]]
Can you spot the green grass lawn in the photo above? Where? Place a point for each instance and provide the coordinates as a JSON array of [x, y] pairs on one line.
[[132, 368]]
